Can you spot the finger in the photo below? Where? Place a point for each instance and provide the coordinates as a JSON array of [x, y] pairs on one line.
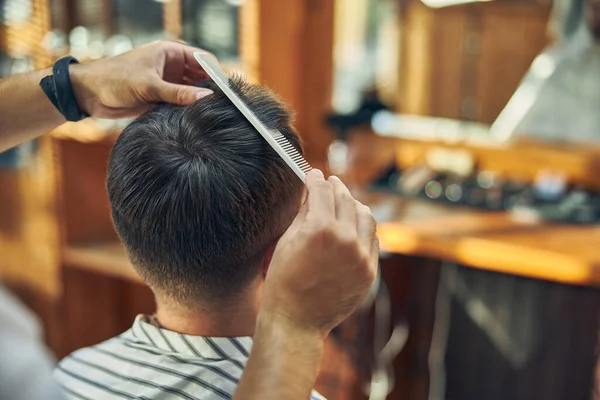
[[375, 253], [320, 200], [178, 94], [115, 113], [374, 258], [183, 57], [190, 60], [345, 205], [366, 226], [193, 82], [194, 74]]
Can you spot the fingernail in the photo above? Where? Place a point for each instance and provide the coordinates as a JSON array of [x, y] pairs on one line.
[[319, 173], [335, 178], [203, 93]]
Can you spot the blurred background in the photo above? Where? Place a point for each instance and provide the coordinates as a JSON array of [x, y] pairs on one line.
[[471, 128]]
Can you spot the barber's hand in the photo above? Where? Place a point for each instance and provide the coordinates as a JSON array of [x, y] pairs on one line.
[[327, 260], [130, 83]]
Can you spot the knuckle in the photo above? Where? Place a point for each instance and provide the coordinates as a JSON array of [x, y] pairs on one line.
[[344, 196], [319, 181], [333, 236], [180, 96], [349, 241], [323, 232], [322, 185], [349, 244], [161, 43], [371, 274], [370, 265], [366, 210]]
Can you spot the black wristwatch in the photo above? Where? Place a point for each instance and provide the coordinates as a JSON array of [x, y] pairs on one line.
[[59, 90]]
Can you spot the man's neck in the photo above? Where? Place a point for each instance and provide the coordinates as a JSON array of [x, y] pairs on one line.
[[233, 320]]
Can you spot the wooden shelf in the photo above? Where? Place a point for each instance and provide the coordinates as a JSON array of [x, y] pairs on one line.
[[105, 258]]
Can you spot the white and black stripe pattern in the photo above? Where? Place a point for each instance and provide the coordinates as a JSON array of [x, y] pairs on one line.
[[291, 151], [148, 362]]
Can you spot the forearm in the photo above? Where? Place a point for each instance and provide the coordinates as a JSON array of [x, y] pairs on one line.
[[25, 111], [283, 363]]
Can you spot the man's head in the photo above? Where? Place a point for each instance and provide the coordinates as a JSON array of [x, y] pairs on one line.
[[199, 197]]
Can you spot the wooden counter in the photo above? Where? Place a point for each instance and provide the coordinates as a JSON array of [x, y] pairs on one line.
[[495, 241], [566, 254]]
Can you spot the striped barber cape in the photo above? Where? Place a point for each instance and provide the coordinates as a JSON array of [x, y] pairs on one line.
[[148, 362]]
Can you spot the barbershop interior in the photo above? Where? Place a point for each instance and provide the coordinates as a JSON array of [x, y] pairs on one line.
[[471, 128]]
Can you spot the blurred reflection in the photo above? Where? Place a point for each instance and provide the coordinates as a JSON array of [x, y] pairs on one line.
[[95, 29], [10, 65], [559, 98], [141, 21], [14, 11], [212, 25], [365, 52], [88, 13], [5, 64]]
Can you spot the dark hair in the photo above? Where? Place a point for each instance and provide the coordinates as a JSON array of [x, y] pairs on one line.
[[197, 195]]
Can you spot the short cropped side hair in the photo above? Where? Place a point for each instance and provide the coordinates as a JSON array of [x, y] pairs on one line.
[[197, 195]]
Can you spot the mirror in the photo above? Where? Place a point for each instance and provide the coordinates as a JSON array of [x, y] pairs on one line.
[[212, 25], [139, 20]]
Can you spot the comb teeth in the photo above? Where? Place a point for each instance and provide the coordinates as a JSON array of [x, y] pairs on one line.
[[292, 152]]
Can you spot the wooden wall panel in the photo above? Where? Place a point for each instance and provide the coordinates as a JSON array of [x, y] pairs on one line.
[[29, 238], [466, 61], [109, 308], [316, 78], [29, 241], [25, 38], [416, 59], [292, 53], [249, 40], [511, 37], [172, 18], [84, 212], [448, 78]]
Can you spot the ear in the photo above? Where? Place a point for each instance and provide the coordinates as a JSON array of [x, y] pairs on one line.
[[268, 257]]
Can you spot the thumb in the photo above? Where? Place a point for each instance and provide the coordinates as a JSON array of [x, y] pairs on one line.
[[183, 95]]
